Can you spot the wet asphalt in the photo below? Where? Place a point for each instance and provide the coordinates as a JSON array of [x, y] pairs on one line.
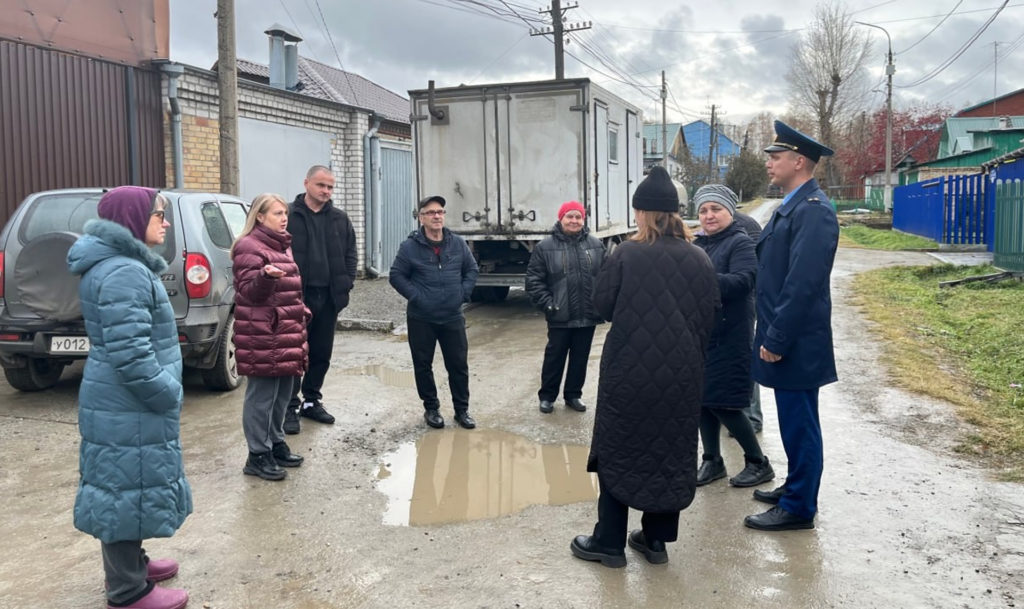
[[386, 513]]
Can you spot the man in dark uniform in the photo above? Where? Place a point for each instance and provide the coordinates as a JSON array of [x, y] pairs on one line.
[[793, 342], [324, 247]]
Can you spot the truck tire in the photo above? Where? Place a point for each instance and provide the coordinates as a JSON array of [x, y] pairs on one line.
[[40, 374], [489, 293], [224, 374]]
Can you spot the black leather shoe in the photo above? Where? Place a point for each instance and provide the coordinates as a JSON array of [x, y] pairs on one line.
[[654, 551], [433, 418], [546, 406], [284, 456], [264, 466], [583, 547], [710, 470], [754, 474], [316, 411], [778, 519], [576, 404], [771, 496], [291, 421], [464, 420]]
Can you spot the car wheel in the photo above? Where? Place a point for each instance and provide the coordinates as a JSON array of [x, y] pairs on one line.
[[40, 374], [224, 374]]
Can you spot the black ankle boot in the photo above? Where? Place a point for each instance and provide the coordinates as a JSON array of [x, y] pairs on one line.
[[284, 456], [710, 470], [756, 472], [264, 466]]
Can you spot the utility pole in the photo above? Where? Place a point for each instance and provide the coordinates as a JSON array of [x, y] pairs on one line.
[[664, 123], [995, 73], [890, 69], [711, 147], [227, 89], [559, 29]]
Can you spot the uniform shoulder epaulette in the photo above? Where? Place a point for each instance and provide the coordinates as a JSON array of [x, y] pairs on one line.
[[814, 199]]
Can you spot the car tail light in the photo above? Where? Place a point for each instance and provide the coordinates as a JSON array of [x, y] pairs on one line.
[[1, 274], [197, 275]]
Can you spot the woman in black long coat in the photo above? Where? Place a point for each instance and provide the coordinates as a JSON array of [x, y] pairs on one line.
[[727, 367], [560, 282], [660, 293]]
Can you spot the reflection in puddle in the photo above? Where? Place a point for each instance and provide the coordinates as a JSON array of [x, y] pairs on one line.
[[388, 376], [453, 476]]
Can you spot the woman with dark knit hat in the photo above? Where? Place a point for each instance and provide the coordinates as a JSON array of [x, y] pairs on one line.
[[727, 382], [132, 480], [560, 281], [660, 292]]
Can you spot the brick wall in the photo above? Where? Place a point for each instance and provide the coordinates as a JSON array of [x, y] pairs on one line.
[[197, 94]]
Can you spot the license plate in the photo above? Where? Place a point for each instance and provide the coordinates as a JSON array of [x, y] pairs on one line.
[[69, 344]]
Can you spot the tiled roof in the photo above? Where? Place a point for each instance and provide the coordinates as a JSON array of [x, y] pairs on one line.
[[325, 82]]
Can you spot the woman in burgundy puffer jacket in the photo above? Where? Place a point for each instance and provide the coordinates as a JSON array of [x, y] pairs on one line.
[[270, 333]]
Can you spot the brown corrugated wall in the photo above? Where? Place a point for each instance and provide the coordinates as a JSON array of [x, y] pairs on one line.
[[64, 123]]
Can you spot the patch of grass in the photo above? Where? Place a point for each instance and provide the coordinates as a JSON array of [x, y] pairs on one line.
[[859, 235], [962, 344]]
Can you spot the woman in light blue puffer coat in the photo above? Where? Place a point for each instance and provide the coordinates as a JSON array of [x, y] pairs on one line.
[[132, 484]]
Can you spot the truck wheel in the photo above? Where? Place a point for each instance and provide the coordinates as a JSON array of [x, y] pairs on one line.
[[224, 374], [489, 293], [40, 374]]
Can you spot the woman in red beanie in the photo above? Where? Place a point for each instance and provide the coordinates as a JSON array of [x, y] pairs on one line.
[[560, 281]]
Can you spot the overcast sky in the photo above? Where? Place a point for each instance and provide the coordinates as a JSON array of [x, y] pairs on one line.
[[731, 53]]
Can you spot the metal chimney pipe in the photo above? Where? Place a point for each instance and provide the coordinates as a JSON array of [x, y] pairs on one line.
[[291, 66], [277, 69]]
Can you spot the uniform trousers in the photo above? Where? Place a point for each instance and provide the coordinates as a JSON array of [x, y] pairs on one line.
[[801, 437], [612, 522]]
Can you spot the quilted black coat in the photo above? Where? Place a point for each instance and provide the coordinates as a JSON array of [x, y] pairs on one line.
[[661, 299], [727, 367]]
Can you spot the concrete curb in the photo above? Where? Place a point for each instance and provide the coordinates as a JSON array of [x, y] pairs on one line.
[[367, 325]]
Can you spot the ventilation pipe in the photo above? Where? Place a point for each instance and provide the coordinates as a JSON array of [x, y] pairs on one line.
[[372, 179], [279, 62], [291, 66]]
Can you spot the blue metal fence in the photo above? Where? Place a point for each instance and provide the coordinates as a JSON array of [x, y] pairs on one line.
[[952, 210]]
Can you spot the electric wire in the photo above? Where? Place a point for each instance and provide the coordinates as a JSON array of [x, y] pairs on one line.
[[931, 31]]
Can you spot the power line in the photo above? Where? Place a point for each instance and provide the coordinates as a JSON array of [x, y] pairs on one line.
[[921, 39], [963, 48], [355, 98]]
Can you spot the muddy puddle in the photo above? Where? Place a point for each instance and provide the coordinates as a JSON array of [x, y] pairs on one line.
[[386, 375], [454, 475]]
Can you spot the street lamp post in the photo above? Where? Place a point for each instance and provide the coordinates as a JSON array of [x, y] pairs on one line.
[[890, 69]]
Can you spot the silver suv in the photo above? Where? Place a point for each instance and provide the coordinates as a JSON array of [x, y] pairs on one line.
[[41, 326]]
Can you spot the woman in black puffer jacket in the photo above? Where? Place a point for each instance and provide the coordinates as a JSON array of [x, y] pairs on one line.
[[727, 364], [560, 281]]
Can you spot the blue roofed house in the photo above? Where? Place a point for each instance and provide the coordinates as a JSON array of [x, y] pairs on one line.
[[702, 141]]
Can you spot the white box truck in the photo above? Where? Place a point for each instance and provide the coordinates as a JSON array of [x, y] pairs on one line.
[[506, 156]]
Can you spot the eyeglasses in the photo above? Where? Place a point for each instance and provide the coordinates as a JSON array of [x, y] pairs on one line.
[[432, 212], [159, 214]]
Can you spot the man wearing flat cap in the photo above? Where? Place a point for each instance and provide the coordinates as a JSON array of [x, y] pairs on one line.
[[793, 341], [435, 271]]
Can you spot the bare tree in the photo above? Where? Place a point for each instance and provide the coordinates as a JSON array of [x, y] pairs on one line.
[[826, 76]]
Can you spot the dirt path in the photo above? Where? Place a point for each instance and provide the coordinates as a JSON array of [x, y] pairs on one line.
[[904, 522]]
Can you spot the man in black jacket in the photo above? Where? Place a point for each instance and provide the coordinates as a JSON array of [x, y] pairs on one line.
[[435, 271], [324, 247]]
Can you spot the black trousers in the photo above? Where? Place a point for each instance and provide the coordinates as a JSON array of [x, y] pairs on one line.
[[423, 338], [320, 335], [563, 343], [612, 522]]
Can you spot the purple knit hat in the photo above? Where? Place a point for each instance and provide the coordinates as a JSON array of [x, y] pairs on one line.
[[129, 206]]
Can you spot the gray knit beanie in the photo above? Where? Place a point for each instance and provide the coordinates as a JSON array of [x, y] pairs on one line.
[[719, 193]]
